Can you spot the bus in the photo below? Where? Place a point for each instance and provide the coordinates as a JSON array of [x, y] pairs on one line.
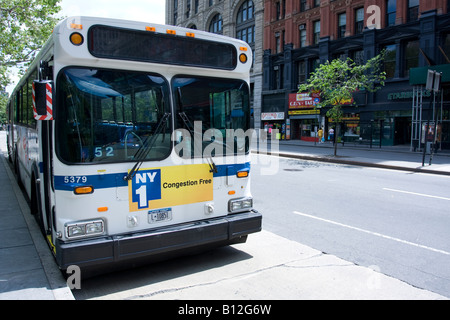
[[131, 141]]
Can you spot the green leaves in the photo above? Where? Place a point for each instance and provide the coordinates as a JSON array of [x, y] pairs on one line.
[[339, 79], [25, 25]]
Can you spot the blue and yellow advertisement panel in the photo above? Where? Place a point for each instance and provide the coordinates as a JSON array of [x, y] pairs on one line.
[[170, 186]]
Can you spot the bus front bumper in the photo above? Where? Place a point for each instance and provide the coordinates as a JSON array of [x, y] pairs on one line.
[[156, 245]]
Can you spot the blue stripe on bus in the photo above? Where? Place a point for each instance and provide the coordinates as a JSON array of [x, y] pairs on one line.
[[113, 180]]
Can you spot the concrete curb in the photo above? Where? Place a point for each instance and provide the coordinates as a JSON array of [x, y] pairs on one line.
[[338, 160]]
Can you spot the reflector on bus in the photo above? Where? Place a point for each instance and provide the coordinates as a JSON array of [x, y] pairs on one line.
[[42, 97]]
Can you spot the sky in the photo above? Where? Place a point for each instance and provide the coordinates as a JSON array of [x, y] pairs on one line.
[[152, 11], [139, 10]]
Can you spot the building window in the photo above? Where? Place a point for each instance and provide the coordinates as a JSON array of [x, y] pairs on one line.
[[188, 9], [278, 4], [391, 10], [315, 63], [413, 10], [245, 25], [196, 6], [447, 47], [390, 61], [211, 2], [301, 71], [316, 3], [246, 34], [358, 57], [342, 25], [411, 56], [278, 76], [316, 32], [277, 42], [302, 29], [175, 11], [245, 12], [216, 24], [302, 5], [359, 20]]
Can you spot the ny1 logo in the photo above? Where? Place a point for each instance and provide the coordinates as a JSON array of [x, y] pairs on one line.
[[374, 18]]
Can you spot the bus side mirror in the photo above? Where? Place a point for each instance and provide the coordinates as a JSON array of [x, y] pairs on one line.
[[43, 100]]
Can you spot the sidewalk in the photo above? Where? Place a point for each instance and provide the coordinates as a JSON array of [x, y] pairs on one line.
[[388, 157], [27, 268]]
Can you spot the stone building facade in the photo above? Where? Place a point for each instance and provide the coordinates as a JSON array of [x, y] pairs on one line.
[[242, 19]]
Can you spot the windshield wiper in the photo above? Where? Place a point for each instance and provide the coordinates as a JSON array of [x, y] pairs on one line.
[[143, 152], [188, 125]]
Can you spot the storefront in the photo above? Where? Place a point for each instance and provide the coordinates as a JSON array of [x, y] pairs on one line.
[[305, 119], [274, 120]]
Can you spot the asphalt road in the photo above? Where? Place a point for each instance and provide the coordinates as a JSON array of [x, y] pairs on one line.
[[392, 221]]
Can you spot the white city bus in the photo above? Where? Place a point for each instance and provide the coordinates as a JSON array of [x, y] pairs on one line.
[[127, 138]]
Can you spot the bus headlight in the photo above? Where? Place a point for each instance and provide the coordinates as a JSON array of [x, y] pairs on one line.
[[84, 229], [242, 204]]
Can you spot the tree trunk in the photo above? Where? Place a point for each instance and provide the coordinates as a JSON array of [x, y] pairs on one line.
[[336, 135]]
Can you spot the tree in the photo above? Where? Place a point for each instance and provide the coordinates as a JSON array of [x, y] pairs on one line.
[[338, 80], [25, 25]]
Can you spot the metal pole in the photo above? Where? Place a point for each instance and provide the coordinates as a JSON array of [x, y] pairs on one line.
[[426, 132]]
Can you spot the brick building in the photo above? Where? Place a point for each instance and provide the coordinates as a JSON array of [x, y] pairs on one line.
[[242, 19], [301, 34]]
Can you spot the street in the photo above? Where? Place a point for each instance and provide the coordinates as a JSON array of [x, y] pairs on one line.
[[393, 221]]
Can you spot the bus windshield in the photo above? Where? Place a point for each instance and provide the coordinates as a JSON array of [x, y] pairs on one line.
[[110, 116], [219, 108]]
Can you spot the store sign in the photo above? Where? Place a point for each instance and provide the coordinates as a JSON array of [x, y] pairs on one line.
[[272, 116], [303, 100], [303, 112], [406, 95]]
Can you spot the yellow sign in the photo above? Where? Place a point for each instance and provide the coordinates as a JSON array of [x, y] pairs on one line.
[[170, 186], [299, 112]]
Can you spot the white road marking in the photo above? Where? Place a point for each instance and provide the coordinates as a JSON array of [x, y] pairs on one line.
[[373, 233], [417, 194]]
